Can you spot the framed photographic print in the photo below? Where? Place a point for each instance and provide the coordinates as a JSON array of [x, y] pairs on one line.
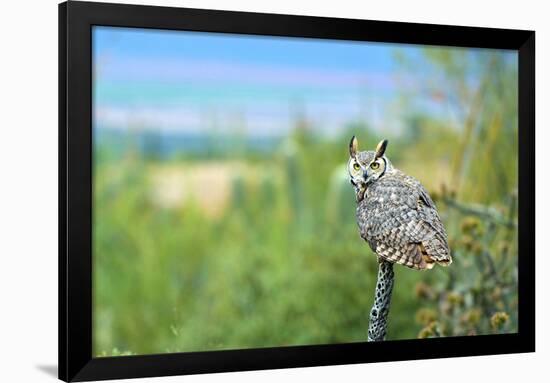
[[246, 191]]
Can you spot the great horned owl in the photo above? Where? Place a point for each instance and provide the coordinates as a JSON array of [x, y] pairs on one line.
[[395, 214]]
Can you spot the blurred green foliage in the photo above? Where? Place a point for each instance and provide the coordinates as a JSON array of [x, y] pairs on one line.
[[267, 252]]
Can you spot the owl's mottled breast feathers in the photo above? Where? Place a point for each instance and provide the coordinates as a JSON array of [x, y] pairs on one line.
[[400, 222]]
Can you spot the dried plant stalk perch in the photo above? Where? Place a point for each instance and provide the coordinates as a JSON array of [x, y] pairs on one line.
[[378, 322]]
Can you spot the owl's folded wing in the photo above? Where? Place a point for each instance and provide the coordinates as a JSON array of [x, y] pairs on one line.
[[402, 225]]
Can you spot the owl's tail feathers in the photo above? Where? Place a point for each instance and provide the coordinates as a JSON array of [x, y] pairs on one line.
[[435, 252], [425, 257], [427, 262], [419, 256], [445, 262]]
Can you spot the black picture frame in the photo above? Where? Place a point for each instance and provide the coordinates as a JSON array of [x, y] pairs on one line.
[[75, 190]]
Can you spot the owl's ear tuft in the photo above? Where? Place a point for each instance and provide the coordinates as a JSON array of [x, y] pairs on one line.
[[353, 147], [381, 148]]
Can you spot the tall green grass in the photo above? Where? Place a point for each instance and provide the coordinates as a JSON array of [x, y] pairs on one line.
[[282, 265]]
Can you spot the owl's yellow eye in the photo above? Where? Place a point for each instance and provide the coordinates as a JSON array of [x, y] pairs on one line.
[[374, 165], [356, 166]]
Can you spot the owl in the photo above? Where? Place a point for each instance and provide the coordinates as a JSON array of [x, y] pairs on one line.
[[395, 214]]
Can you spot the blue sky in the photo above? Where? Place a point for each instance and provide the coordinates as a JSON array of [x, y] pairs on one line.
[[194, 81], [295, 52]]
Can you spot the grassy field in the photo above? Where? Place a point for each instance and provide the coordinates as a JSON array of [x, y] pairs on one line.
[[263, 250]]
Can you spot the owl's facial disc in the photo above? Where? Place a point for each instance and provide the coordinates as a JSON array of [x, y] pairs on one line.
[[364, 174], [366, 167], [356, 172], [375, 170]]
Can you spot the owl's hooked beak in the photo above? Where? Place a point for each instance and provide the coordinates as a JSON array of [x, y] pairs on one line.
[[367, 177], [360, 185]]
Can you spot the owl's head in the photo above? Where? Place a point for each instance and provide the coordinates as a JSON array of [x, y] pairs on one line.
[[367, 167]]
